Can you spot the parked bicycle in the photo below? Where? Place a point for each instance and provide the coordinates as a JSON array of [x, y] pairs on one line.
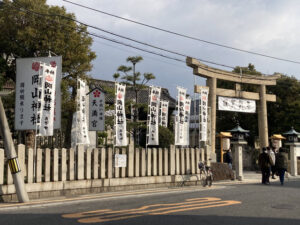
[[206, 175]]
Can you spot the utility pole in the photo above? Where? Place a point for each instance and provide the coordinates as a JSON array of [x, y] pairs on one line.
[[12, 157]]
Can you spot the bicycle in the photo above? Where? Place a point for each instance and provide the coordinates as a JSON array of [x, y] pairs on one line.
[[206, 175]]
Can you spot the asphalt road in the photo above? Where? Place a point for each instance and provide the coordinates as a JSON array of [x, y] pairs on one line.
[[242, 204]]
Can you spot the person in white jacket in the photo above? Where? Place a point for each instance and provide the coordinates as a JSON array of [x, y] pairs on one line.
[[273, 157]]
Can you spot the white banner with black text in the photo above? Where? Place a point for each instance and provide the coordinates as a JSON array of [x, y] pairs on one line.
[[120, 116], [153, 110]]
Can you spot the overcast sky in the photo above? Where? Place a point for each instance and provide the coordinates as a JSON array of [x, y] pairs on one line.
[[270, 27]]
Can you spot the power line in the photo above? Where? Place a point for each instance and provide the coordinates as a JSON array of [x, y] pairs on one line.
[[124, 37], [101, 36], [117, 41], [184, 35]]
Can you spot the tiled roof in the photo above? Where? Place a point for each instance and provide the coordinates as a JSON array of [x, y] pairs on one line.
[[130, 93]]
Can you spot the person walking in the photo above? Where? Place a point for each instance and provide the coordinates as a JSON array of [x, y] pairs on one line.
[[264, 161], [228, 158], [273, 157], [281, 164]]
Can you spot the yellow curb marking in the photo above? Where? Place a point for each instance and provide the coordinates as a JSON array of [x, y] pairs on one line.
[[105, 215]]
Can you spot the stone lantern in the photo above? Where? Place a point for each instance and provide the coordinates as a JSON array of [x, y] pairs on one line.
[[238, 141], [238, 133], [292, 136], [293, 143], [276, 141], [224, 142]]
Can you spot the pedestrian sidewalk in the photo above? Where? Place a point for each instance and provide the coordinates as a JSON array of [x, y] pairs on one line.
[[255, 177], [249, 177]]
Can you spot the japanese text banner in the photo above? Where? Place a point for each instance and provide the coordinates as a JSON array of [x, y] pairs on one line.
[[180, 134], [164, 110], [47, 100], [153, 109], [236, 105], [96, 110], [120, 116]]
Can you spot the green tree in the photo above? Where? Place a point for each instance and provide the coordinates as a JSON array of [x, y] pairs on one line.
[[31, 28], [284, 113], [133, 79]]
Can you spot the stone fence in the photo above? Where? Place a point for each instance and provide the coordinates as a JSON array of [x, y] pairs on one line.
[[66, 171]]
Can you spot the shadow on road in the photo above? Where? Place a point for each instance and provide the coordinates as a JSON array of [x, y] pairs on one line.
[[52, 219]]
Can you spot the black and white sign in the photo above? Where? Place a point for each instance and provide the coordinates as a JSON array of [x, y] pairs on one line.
[[120, 116], [180, 134], [164, 110], [236, 105], [82, 136], [120, 160], [96, 110], [203, 114], [47, 99], [153, 111], [27, 93], [187, 113]]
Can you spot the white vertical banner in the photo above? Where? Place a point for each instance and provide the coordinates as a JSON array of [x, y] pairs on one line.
[[46, 111], [153, 112], [180, 135], [164, 110], [187, 112], [120, 116], [28, 92], [96, 110], [203, 115], [82, 136]]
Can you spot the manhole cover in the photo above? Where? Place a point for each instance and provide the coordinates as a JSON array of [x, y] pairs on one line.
[[283, 206]]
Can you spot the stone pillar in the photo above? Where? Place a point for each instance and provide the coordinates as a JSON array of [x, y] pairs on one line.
[[149, 161], [71, 174], [47, 164], [88, 163], [238, 159], [166, 161], [263, 117], [160, 162], [55, 165], [143, 162], [212, 84], [63, 168], [182, 161], [137, 162], [172, 160], [109, 163], [30, 175], [130, 165], [177, 161], [154, 162], [79, 162], [38, 170], [294, 147]]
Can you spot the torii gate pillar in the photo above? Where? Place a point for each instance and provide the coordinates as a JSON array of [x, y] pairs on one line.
[[263, 117], [211, 82]]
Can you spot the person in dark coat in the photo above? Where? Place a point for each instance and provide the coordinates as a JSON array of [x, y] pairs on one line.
[[228, 158], [281, 164], [265, 162]]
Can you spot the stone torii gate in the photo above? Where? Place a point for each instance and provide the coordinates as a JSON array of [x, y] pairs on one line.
[[261, 82]]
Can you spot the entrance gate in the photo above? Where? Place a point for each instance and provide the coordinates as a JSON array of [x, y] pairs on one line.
[[212, 74]]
